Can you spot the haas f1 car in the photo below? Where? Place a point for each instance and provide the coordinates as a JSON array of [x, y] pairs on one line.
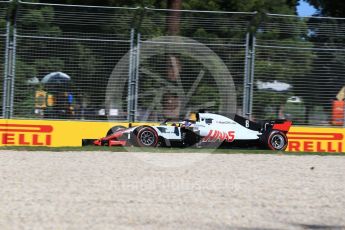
[[206, 130]]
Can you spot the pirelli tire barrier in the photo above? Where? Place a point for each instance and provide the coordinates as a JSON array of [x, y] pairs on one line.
[[72, 133], [311, 139], [53, 133]]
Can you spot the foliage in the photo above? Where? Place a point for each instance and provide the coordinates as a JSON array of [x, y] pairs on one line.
[[40, 20], [329, 7]]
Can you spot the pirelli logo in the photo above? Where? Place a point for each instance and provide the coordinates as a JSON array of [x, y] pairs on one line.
[[32, 135], [316, 142]]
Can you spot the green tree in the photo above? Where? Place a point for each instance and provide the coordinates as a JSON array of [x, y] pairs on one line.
[[329, 7]]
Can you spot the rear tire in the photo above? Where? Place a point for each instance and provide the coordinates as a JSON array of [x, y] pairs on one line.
[[277, 141], [147, 137]]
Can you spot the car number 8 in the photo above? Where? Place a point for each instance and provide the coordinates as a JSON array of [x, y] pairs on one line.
[[247, 123]]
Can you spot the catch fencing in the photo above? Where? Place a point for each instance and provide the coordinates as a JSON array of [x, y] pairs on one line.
[[307, 55], [148, 64], [83, 42], [194, 70]]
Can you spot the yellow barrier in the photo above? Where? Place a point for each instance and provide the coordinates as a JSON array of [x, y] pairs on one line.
[[52, 133], [70, 133], [310, 139]]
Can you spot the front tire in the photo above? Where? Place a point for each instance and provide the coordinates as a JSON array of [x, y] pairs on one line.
[[147, 137], [277, 141]]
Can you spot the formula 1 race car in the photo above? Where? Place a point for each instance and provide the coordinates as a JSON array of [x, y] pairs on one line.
[[206, 130]]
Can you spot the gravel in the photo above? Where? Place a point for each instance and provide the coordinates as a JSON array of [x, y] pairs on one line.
[[105, 190]]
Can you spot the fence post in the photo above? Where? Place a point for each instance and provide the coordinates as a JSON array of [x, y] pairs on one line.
[[6, 66], [137, 62], [133, 78], [249, 77], [13, 70], [10, 65], [252, 75], [130, 77], [246, 77]]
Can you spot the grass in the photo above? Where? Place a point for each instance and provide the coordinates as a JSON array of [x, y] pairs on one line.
[[165, 150]]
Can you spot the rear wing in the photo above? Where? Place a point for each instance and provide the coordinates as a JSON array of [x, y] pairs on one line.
[[283, 126]]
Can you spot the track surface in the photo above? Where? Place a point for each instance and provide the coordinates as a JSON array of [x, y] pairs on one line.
[[102, 190]]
